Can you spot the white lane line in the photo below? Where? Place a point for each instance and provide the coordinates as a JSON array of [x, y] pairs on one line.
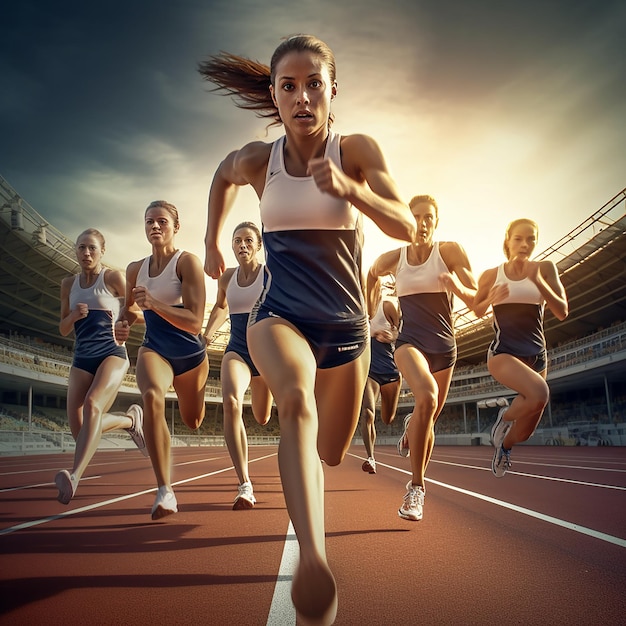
[[590, 532], [538, 476], [282, 612], [42, 485], [98, 505]]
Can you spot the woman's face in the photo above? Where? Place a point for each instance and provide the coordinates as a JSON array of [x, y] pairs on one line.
[[522, 241], [159, 226], [245, 244], [302, 92], [89, 251]]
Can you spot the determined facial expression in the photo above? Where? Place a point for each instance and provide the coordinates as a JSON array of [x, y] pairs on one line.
[[303, 92]]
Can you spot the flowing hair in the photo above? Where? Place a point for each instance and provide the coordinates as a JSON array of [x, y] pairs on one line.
[[248, 81]]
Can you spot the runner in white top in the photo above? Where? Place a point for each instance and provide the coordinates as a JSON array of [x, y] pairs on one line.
[[428, 274], [90, 305], [315, 365], [169, 291], [238, 289], [518, 291]]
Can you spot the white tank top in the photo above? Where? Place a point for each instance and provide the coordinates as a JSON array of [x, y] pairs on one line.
[[422, 278], [242, 299], [166, 287], [522, 291], [97, 297]]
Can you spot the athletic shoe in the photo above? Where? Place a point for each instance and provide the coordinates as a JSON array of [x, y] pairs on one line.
[[66, 484], [165, 503], [413, 507], [369, 466], [245, 497], [500, 428], [403, 450], [135, 412], [501, 462]]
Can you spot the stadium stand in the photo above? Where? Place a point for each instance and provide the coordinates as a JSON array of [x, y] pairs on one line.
[[587, 351]]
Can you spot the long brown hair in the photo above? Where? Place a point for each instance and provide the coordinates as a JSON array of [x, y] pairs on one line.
[[249, 81]]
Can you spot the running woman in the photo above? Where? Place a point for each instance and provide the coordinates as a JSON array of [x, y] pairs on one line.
[[518, 292], [308, 335], [90, 307], [428, 273], [168, 287], [383, 379], [238, 289]]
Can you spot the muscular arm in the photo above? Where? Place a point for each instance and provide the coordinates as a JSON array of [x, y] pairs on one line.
[[484, 294], [219, 312], [460, 280], [68, 317], [546, 277], [367, 185], [241, 167]]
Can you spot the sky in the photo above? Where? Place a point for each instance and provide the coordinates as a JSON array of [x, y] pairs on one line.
[[498, 108]]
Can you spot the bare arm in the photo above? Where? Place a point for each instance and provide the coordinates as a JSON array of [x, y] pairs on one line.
[[485, 293], [367, 185], [68, 316], [460, 279], [545, 275], [219, 312], [386, 263], [241, 167], [131, 313]]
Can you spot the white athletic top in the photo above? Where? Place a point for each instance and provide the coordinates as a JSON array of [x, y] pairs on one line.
[[242, 299], [313, 246], [166, 287]]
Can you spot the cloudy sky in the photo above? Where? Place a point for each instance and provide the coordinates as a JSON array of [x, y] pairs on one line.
[[498, 108]]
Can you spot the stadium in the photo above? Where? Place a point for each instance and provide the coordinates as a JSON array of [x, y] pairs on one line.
[[587, 352]]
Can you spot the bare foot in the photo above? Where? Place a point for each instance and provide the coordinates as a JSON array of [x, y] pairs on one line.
[[314, 593]]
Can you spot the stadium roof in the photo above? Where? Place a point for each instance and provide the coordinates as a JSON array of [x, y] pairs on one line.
[[36, 257]]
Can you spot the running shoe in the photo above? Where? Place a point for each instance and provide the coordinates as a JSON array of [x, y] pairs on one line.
[[369, 466], [66, 484], [135, 412], [403, 450], [165, 503], [501, 462], [413, 506], [245, 497], [500, 428]]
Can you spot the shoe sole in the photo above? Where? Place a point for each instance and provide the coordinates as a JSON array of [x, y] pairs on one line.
[[243, 504], [161, 512], [63, 483], [368, 468], [404, 451], [410, 518]]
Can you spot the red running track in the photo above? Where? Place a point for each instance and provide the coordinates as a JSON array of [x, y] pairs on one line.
[[543, 545]]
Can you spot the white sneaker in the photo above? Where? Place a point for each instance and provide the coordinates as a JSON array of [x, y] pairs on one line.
[[66, 484], [369, 466], [403, 450], [500, 428], [165, 503], [501, 462], [413, 506], [135, 412], [245, 497]]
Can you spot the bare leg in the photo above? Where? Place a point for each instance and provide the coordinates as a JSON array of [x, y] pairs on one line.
[[533, 394], [235, 377], [368, 416], [285, 361], [88, 397]]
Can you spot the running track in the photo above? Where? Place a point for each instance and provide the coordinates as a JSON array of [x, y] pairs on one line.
[[544, 545]]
